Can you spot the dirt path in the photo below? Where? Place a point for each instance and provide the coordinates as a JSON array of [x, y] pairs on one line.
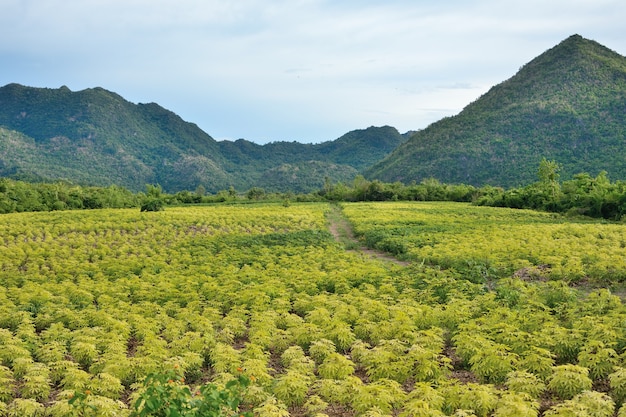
[[342, 231]]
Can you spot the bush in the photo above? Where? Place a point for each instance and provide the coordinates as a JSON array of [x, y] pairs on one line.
[[588, 403], [526, 383], [165, 394], [569, 380], [152, 204], [617, 381]]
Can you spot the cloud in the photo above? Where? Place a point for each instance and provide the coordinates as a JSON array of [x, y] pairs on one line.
[[292, 69]]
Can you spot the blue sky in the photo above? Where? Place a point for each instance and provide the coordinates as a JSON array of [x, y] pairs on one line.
[[292, 70]]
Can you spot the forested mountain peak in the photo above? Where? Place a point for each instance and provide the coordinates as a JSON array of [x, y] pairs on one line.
[[95, 136], [568, 105], [560, 76]]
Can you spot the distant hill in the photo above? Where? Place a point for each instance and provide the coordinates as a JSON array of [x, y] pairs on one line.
[[97, 137], [297, 167], [568, 105]]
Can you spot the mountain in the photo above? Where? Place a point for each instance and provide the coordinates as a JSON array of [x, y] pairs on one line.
[[95, 136], [298, 167], [567, 105]]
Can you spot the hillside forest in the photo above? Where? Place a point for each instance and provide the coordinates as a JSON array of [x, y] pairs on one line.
[[584, 195]]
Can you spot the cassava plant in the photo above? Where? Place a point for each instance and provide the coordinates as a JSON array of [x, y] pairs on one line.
[[165, 394], [598, 358], [335, 366], [384, 394], [567, 381], [7, 384], [25, 407], [617, 381], [526, 383], [513, 404], [587, 403], [292, 388]]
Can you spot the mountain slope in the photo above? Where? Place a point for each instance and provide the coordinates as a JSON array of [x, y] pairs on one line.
[[298, 167], [95, 136], [568, 105]]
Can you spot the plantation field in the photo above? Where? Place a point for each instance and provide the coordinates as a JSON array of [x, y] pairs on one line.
[[93, 301], [484, 242]]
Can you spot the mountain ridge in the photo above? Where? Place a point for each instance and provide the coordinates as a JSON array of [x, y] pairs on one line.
[[95, 136], [567, 105]]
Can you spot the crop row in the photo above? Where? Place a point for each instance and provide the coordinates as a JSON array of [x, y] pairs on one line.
[[95, 301], [492, 242]]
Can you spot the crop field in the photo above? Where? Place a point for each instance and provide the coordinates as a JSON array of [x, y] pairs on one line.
[[487, 242], [93, 301]]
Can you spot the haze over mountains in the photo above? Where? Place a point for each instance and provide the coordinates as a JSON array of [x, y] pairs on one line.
[[568, 104]]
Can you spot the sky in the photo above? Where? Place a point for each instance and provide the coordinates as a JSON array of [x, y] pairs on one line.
[[293, 70]]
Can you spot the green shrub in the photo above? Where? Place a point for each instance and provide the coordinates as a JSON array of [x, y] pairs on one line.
[[617, 381], [152, 204], [526, 383], [567, 381], [336, 366], [598, 358], [587, 403], [165, 394]]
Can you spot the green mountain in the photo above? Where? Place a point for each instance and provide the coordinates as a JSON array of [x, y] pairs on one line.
[[297, 167], [567, 105], [96, 137]]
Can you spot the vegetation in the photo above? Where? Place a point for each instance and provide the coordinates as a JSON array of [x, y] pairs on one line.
[[256, 308], [20, 196], [484, 243], [550, 109], [96, 137], [583, 195], [565, 105]]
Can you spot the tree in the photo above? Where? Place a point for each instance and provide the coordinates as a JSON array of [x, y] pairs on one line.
[[153, 200], [549, 177], [200, 190], [255, 193]]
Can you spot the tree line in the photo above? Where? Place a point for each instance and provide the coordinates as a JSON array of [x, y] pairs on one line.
[[582, 195]]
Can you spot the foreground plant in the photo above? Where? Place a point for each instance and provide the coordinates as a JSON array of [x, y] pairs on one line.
[[166, 395]]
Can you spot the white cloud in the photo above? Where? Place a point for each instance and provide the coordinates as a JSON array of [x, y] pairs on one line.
[[292, 69]]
